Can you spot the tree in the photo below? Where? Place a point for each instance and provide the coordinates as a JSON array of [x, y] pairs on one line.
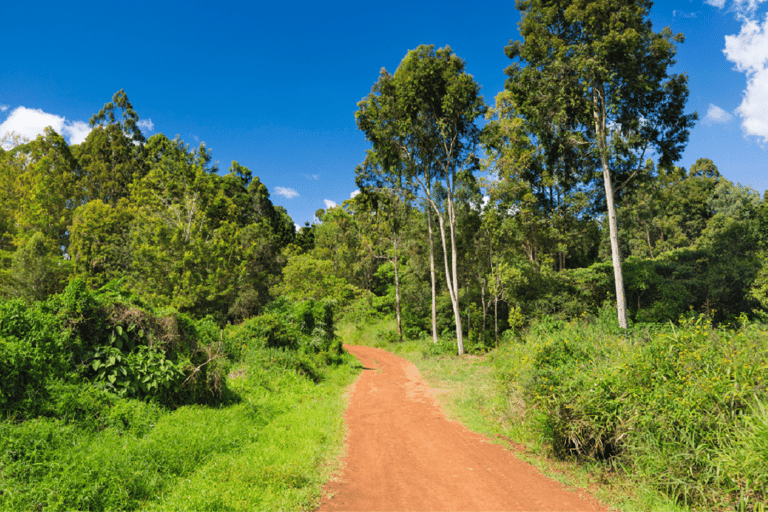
[[306, 277], [113, 154], [34, 273], [388, 211], [598, 67], [100, 241], [49, 187], [421, 121], [186, 241]]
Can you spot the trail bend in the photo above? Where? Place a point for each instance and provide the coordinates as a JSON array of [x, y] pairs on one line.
[[404, 454]]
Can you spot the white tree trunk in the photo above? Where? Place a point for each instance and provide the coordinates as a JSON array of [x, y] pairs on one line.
[[455, 276], [432, 276], [397, 294], [599, 113]]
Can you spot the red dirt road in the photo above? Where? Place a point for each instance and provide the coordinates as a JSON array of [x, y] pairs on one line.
[[403, 454]]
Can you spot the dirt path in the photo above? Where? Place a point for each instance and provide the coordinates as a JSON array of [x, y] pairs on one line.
[[403, 454]]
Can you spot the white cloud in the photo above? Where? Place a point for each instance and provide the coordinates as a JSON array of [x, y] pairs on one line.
[[748, 50], [298, 228], [329, 204], [76, 131], [146, 124], [312, 176], [3, 108], [746, 7], [684, 14], [30, 122], [286, 192], [715, 3], [717, 115], [354, 194]]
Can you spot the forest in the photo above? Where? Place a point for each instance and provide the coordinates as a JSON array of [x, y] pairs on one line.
[[148, 297]]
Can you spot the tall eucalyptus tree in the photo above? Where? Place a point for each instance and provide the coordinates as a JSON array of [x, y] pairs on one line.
[[423, 117], [600, 70]]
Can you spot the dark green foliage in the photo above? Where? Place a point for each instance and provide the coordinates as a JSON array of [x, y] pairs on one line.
[[91, 339]]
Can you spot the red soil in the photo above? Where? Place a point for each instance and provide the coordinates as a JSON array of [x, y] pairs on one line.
[[403, 454]]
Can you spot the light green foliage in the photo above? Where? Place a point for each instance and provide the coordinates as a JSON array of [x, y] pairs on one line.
[[43, 182], [269, 452], [306, 277], [294, 335], [340, 238], [734, 201], [100, 247]]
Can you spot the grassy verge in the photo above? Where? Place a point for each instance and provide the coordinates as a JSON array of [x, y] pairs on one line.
[[473, 395], [273, 450], [295, 433]]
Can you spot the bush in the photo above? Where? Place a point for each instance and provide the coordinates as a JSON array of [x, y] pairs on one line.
[[666, 402], [297, 336], [87, 338]]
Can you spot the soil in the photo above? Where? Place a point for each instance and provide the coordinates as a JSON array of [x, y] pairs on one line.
[[404, 454]]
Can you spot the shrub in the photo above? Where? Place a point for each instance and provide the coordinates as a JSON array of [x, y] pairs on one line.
[[665, 402]]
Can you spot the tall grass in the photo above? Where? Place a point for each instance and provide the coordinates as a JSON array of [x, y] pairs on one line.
[[678, 406]]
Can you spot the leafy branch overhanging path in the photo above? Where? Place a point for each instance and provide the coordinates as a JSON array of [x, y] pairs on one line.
[[403, 454]]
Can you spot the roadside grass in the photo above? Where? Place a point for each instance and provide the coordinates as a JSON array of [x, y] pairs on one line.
[[469, 392], [289, 458], [273, 450]]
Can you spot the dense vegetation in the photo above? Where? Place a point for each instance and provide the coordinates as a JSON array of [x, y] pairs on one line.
[[148, 299], [112, 406]]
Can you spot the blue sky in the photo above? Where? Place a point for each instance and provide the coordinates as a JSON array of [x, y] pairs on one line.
[[275, 86]]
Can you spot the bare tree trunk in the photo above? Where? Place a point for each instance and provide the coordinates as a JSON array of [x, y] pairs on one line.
[[485, 308], [397, 295], [648, 239], [451, 281], [432, 275], [598, 99], [497, 281], [496, 318], [454, 265]]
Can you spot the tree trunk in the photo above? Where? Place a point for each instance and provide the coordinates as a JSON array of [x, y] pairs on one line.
[[397, 295], [432, 275], [598, 104], [485, 308], [496, 318], [452, 288], [454, 265]]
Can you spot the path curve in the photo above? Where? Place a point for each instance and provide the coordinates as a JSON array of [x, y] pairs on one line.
[[403, 454]]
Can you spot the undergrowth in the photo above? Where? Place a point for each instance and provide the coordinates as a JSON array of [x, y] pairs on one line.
[[680, 406], [70, 441]]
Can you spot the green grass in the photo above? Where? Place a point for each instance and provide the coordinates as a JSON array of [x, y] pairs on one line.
[[273, 450]]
